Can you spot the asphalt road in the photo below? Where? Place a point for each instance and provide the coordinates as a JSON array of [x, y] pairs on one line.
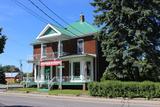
[[32, 100]]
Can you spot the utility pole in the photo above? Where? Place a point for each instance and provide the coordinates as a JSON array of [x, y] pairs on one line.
[[21, 71]]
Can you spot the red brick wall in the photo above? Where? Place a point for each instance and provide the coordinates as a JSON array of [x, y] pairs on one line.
[[37, 49], [52, 47], [89, 45], [70, 46]]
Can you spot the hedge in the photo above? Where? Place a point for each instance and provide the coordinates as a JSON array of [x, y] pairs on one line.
[[114, 89]]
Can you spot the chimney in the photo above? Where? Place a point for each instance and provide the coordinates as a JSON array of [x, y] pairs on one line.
[[82, 19]]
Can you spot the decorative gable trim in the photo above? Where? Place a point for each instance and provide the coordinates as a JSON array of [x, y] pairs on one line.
[[41, 35]]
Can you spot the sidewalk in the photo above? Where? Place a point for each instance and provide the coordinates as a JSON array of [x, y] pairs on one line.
[[88, 98]]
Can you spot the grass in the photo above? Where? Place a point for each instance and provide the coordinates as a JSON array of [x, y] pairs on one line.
[[53, 92], [69, 92], [27, 90]]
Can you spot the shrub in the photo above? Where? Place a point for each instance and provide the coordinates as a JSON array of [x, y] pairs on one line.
[[144, 89]]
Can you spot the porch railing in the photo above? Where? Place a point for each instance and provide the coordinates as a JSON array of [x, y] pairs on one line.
[[28, 79], [46, 56], [69, 78]]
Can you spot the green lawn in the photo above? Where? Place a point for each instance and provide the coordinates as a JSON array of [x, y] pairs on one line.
[[69, 92], [24, 89], [53, 92]]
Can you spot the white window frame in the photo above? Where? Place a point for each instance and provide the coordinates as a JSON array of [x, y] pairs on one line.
[[82, 46], [61, 49], [44, 50]]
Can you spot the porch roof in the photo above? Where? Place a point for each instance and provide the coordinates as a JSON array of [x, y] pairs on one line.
[[81, 55]]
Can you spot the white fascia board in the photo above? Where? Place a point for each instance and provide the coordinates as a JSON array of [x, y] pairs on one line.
[[50, 35]]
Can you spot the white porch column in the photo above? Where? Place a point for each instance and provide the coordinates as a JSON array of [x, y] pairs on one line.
[[60, 68], [35, 72], [60, 75], [82, 70], [59, 48], [71, 69], [51, 72], [41, 50], [42, 73], [92, 70]]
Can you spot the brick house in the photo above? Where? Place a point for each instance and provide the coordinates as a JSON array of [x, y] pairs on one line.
[[67, 56]]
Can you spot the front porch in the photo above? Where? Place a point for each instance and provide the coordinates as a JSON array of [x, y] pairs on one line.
[[76, 70]]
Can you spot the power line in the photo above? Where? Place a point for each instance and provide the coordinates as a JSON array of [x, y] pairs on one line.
[[50, 17], [31, 12], [44, 12], [59, 16]]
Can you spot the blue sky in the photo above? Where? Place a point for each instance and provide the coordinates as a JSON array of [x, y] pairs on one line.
[[21, 28]]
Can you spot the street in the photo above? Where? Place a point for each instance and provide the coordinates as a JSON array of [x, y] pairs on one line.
[[34, 100]]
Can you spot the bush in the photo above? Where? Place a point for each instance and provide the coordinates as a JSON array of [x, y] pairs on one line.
[[125, 89]]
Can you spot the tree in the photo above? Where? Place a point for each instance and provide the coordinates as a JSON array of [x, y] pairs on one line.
[[2, 76], [7, 69], [29, 74], [2, 41], [2, 44], [130, 38], [10, 68]]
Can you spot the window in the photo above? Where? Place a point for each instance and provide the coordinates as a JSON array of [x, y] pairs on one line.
[[61, 49], [76, 69], [88, 68], [44, 51], [47, 73], [87, 72], [80, 46], [37, 70]]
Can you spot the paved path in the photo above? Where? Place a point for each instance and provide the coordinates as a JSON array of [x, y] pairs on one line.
[[34, 100]]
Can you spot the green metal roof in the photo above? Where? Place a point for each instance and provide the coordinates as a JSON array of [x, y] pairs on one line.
[[81, 28], [63, 31], [78, 29]]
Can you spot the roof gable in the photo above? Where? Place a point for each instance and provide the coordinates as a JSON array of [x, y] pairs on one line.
[[74, 30], [48, 31]]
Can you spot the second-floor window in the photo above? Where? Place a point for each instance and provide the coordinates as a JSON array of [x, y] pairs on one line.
[[44, 51], [61, 49], [80, 46]]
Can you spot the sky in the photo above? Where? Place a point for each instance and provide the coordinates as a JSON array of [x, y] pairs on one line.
[[22, 28]]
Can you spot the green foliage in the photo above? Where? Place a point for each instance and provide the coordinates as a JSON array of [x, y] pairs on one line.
[[130, 38], [29, 74], [2, 78], [9, 68], [4, 69], [125, 89], [2, 41]]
